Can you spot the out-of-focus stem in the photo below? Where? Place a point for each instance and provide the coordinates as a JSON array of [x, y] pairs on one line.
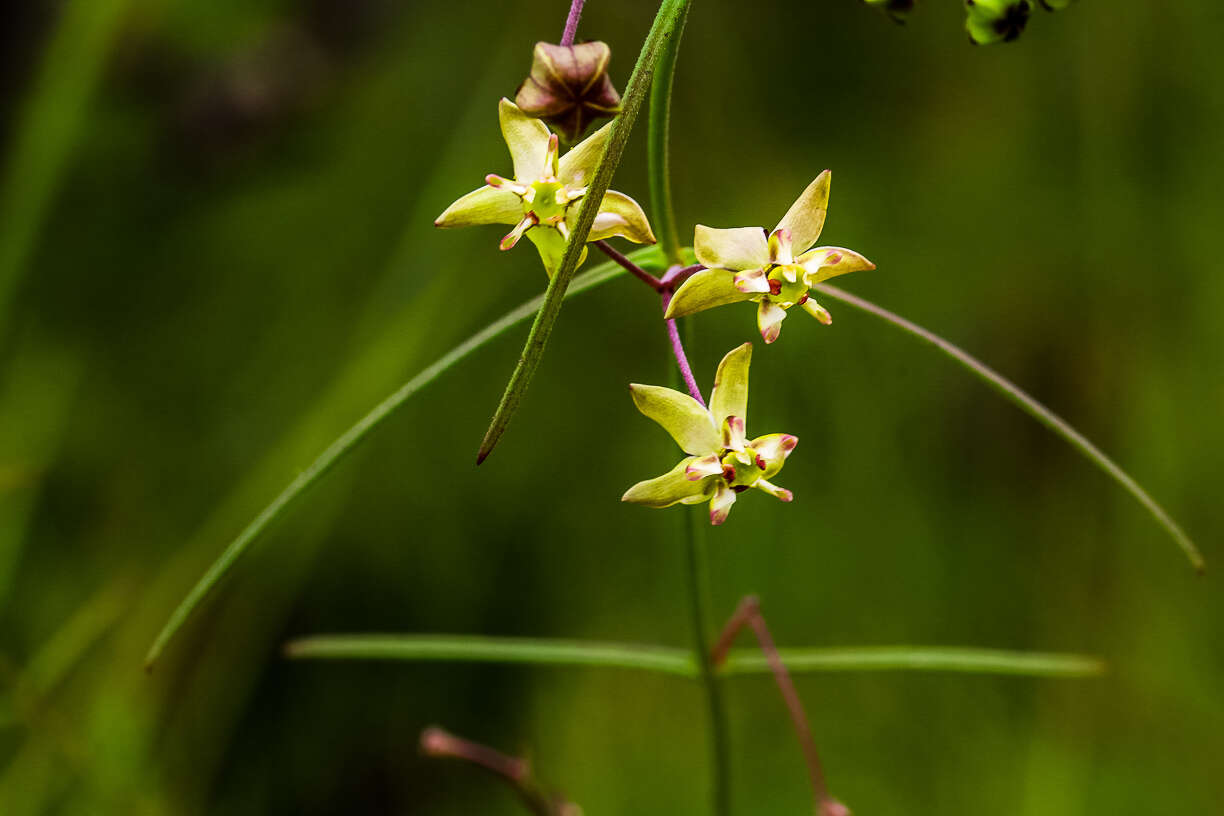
[[699, 594], [748, 613], [516, 772]]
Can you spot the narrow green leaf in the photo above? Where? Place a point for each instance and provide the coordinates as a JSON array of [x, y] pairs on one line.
[[1034, 409], [666, 22], [349, 440], [658, 134], [49, 127], [463, 649], [917, 658], [542, 651]]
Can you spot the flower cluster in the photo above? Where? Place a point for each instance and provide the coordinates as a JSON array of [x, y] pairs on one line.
[[775, 269], [721, 461]]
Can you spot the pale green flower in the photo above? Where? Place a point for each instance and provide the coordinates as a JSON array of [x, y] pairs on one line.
[[774, 269], [541, 201], [721, 461]]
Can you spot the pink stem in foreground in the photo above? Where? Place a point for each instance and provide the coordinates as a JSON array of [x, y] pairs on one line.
[[673, 332], [633, 269], [571, 22], [748, 613]]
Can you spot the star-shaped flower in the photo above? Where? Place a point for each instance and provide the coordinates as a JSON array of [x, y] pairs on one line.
[[774, 269], [542, 199], [721, 461]]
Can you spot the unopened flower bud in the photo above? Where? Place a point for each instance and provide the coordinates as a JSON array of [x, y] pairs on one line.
[[991, 21], [896, 9], [569, 87]]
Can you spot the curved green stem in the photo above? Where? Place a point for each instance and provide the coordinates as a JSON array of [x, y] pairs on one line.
[[349, 440], [657, 155], [1034, 409]]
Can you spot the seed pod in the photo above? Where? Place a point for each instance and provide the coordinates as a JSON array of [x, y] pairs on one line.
[[569, 87], [991, 21], [896, 9]]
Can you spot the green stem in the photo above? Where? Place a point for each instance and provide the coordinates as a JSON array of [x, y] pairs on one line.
[[1034, 409], [664, 27], [658, 134], [680, 662], [699, 595]]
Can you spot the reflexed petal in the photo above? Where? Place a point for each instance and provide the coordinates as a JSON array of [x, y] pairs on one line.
[[752, 282], [705, 290], [680, 415], [823, 263], [619, 215], [805, 219], [551, 246], [668, 489], [700, 468], [775, 491], [774, 448], [769, 319], [817, 311], [733, 438], [730, 394], [720, 503], [483, 206], [578, 165], [735, 249], [527, 139]]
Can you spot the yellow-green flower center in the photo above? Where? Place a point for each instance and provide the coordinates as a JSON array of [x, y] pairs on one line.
[[783, 291], [548, 201]]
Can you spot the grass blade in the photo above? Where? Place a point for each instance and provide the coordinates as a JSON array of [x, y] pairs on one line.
[[1034, 409], [48, 129], [465, 649], [347, 441], [669, 17], [917, 658], [543, 651]]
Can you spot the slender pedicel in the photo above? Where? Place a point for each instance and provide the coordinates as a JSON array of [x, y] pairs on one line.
[[571, 22]]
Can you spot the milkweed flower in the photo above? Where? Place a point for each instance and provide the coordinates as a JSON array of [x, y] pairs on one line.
[[775, 269], [721, 461], [540, 200]]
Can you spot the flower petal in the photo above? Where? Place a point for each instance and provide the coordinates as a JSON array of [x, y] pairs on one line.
[[720, 503], [527, 139], [772, 489], [551, 246], [774, 448], [620, 215], [670, 488], [734, 249], [817, 311], [484, 206], [826, 262], [680, 415], [730, 394], [578, 165], [769, 319], [805, 219], [733, 438], [752, 282], [705, 290], [701, 467]]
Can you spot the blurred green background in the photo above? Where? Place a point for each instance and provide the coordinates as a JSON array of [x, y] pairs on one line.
[[216, 252]]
